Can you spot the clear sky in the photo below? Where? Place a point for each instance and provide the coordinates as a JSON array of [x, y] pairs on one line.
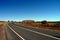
[[30, 10]]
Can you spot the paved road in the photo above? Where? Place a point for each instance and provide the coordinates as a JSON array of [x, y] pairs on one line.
[[15, 32]]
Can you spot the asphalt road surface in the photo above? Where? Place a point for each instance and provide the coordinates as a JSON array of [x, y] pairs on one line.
[[14, 32]]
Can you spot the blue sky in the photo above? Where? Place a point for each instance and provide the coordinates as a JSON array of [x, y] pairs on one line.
[[37, 10]]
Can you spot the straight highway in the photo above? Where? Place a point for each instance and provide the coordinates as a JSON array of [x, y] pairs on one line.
[[14, 32]]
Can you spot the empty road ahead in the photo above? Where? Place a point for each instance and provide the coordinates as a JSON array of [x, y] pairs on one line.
[[14, 32]]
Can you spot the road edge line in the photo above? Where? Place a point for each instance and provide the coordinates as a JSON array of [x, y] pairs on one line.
[[16, 33]]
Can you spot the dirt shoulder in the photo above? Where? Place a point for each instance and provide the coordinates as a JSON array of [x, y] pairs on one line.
[[2, 32]]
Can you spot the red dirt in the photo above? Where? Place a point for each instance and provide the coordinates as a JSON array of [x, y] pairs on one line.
[[1, 31]]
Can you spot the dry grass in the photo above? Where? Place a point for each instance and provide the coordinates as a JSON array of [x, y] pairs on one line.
[[39, 26]]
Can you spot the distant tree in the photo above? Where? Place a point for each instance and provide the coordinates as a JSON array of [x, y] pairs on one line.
[[8, 21], [44, 22], [57, 25]]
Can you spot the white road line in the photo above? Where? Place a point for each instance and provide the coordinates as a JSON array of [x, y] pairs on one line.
[[39, 33], [16, 33]]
